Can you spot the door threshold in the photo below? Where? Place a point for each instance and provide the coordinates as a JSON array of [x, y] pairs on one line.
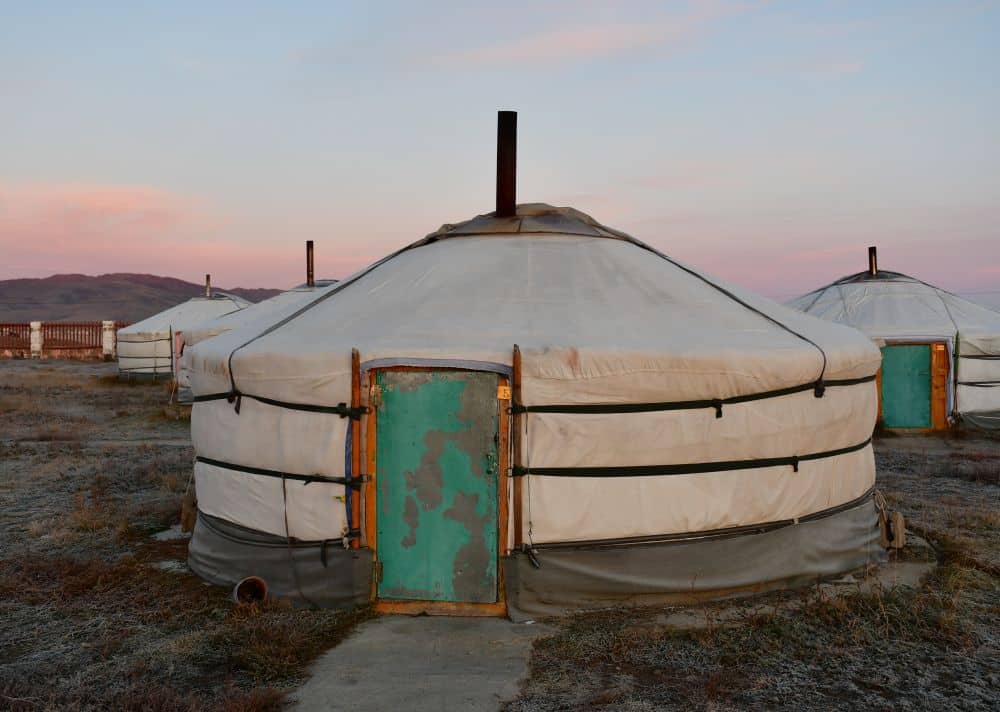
[[441, 608]]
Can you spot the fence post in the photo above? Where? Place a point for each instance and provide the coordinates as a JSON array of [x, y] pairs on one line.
[[36, 339], [108, 336]]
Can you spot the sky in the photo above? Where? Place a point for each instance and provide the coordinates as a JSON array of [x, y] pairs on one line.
[[768, 143]]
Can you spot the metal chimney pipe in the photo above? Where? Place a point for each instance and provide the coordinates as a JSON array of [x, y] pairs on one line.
[[310, 277], [872, 261], [506, 164], [208, 285]]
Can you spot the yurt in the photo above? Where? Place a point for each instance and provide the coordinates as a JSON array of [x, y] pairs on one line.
[[145, 348], [262, 313], [530, 413], [940, 353]]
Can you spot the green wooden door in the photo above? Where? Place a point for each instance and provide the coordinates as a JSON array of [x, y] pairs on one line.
[[436, 481], [906, 386]]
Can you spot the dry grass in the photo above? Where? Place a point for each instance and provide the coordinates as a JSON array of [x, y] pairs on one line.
[[933, 647], [89, 619]]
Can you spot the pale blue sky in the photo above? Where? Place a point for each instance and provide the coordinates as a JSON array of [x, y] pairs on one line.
[[768, 143]]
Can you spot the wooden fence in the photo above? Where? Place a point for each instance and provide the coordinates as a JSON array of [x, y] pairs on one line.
[[15, 335], [72, 335], [66, 339]]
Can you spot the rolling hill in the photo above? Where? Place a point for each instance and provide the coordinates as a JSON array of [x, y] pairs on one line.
[[122, 297]]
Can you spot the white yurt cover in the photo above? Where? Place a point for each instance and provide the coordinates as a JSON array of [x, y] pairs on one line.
[[661, 405], [146, 347], [262, 313], [892, 307]]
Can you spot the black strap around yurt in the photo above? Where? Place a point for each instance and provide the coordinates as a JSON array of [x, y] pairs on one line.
[[341, 409], [690, 468], [716, 403], [981, 357], [979, 384], [354, 482]]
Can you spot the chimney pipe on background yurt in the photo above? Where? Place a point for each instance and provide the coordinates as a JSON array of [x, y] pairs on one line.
[[208, 285], [506, 164], [310, 276], [872, 261]]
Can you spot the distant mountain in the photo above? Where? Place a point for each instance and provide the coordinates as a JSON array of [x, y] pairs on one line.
[[122, 297]]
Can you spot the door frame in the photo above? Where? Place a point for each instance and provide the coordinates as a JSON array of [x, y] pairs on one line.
[[369, 493], [939, 358]]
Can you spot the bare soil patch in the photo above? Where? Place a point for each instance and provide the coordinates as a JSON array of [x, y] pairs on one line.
[[96, 613]]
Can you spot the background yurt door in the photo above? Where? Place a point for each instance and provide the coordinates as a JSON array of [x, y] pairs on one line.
[[906, 386], [436, 485]]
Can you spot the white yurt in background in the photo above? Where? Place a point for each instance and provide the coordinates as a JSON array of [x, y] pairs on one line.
[[529, 413], [941, 352], [262, 313], [145, 348]]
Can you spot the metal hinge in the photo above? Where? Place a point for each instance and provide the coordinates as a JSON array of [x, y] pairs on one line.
[[378, 572], [503, 392], [375, 395]]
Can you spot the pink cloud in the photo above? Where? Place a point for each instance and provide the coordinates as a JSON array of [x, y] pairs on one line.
[[94, 229], [603, 39], [60, 216]]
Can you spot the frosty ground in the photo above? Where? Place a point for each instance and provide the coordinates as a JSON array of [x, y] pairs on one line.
[[97, 613]]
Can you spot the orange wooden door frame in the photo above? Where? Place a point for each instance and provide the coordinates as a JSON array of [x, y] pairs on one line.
[[370, 492], [940, 368]]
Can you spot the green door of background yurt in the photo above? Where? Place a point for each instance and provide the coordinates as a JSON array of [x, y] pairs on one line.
[[906, 386], [436, 485]]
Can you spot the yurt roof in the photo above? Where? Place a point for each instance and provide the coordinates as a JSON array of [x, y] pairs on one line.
[[268, 310], [587, 304], [892, 305], [193, 311]]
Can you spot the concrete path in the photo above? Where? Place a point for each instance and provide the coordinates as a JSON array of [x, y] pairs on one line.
[[422, 664]]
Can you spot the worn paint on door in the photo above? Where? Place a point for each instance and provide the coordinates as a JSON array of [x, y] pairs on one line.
[[906, 386], [436, 482]]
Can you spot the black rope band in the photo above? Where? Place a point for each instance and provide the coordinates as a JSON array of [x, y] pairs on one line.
[[725, 533], [341, 409], [716, 403], [983, 357], [693, 468], [353, 482], [979, 384]]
